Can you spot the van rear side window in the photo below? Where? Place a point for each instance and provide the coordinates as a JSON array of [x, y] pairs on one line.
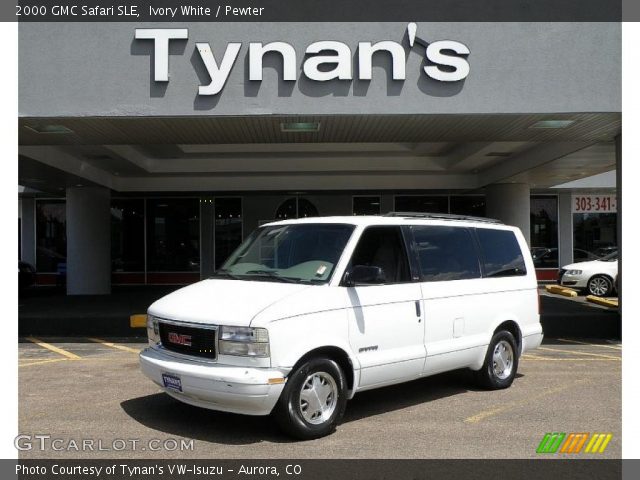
[[501, 253], [446, 253]]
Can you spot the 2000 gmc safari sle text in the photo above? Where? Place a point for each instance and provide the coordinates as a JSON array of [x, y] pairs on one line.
[[305, 313]]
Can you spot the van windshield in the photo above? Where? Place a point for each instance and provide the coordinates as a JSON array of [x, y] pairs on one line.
[[296, 253]]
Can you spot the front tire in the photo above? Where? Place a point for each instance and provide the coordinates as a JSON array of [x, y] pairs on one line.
[[500, 363], [600, 286], [313, 400]]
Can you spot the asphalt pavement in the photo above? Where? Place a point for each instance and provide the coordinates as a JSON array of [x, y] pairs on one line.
[[88, 398]]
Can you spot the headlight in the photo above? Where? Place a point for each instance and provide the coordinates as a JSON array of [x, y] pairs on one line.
[[244, 341], [574, 272], [153, 332]]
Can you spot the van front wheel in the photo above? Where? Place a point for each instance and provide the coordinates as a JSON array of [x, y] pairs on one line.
[[501, 362], [313, 400]]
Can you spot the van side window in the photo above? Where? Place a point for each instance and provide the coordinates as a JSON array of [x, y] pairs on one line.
[[446, 253], [501, 253], [383, 247]]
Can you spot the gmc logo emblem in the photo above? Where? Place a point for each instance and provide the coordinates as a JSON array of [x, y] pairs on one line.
[[179, 339]]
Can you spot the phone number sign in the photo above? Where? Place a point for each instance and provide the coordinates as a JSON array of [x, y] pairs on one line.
[[594, 204]]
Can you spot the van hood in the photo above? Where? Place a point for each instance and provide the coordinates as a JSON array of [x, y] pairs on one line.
[[222, 301]]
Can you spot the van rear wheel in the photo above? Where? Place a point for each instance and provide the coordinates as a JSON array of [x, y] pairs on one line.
[[501, 362], [313, 400]]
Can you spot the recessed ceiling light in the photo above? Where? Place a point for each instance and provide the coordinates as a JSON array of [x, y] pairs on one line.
[[50, 128], [295, 127], [552, 124], [498, 154], [32, 180]]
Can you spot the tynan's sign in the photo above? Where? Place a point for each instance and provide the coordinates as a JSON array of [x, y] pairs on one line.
[[325, 60]]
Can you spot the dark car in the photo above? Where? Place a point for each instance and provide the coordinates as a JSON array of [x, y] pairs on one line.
[[26, 275], [548, 257]]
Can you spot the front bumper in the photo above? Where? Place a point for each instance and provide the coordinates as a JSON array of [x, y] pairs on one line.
[[245, 390], [575, 281]]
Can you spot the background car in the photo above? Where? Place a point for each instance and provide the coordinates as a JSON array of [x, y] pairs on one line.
[[548, 257], [604, 251], [26, 275], [598, 277]]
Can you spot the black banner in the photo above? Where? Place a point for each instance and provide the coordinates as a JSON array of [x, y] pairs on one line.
[[314, 469], [312, 11]]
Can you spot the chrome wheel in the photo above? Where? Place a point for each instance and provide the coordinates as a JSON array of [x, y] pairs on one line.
[[599, 286], [502, 359], [318, 398]]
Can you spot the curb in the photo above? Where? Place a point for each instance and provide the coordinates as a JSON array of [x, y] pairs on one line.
[[558, 290], [602, 301]]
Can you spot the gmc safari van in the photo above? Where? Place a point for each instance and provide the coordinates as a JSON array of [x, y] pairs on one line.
[[306, 313]]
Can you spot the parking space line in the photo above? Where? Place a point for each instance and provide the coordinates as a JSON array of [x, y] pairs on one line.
[[53, 348], [576, 352], [40, 362], [113, 345], [478, 417], [573, 359], [613, 347]]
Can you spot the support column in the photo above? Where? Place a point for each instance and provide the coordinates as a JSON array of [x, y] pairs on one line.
[[565, 229], [88, 241], [28, 230], [511, 204]]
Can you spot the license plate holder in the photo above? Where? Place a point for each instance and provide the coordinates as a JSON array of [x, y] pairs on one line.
[[172, 382]]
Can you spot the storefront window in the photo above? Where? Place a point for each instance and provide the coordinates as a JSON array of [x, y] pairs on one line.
[[228, 231], [595, 233], [366, 205], [127, 235], [173, 235], [544, 231], [473, 205], [422, 203], [296, 208], [51, 235]]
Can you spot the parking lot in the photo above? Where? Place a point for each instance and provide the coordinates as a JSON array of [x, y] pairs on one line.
[[92, 389]]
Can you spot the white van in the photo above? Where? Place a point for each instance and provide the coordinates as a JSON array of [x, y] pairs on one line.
[[305, 313]]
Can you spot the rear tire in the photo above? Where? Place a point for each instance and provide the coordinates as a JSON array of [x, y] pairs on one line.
[[313, 400], [500, 363], [600, 286]]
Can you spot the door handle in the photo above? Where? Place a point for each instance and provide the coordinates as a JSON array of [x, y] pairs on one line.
[[418, 311]]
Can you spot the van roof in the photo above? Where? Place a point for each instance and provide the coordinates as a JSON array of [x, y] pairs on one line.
[[398, 218]]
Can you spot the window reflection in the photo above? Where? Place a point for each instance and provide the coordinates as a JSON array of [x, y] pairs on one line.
[[127, 235], [173, 235], [51, 235], [228, 230]]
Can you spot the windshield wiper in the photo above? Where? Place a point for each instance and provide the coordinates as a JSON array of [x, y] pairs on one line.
[[275, 276], [224, 274]]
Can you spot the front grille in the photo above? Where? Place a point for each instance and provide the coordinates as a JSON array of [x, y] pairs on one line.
[[561, 272], [199, 342]]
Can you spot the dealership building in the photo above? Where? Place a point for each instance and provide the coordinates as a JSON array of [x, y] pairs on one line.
[[147, 152]]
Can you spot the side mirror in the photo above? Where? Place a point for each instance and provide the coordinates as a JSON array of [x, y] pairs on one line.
[[364, 275]]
